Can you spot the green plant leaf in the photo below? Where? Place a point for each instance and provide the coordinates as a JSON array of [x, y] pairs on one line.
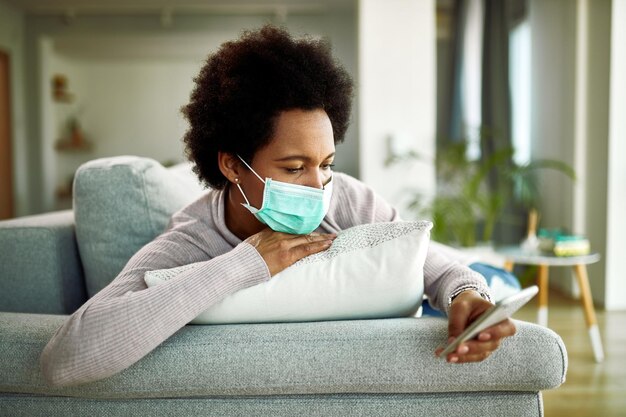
[[473, 193]]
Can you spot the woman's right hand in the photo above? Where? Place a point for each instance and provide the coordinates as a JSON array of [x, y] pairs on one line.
[[280, 250]]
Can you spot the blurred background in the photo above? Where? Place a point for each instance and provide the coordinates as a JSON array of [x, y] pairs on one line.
[[481, 107]]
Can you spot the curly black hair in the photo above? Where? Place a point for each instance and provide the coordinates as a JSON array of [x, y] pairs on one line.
[[247, 83]]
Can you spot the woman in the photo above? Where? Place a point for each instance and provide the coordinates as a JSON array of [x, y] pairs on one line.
[[265, 115]]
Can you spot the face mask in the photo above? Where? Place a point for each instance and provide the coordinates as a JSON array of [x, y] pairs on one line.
[[290, 208]]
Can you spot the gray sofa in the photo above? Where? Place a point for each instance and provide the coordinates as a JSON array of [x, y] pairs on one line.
[[49, 266]]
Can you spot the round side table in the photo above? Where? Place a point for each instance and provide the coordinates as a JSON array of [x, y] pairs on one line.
[[514, 254]]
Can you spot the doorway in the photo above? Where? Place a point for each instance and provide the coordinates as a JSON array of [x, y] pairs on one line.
[[6, 166]]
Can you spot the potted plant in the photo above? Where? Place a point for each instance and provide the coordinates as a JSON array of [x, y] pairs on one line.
[[472, 194]]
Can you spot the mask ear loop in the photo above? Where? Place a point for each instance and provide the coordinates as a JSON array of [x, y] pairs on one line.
[[239, 186], [241, 191], [250, 168]]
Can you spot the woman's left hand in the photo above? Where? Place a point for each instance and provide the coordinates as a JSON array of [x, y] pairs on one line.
[[465, 308]]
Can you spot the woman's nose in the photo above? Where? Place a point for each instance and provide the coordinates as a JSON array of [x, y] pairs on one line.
[[317, 179]]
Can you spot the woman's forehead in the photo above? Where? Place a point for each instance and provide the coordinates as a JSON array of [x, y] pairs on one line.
[[306, 133]]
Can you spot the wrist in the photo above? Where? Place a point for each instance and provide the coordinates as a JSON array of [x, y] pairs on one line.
[[469, 290]]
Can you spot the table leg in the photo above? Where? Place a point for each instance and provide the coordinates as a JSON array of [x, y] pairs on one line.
[[508, 266], [542, 314], [590, 314]]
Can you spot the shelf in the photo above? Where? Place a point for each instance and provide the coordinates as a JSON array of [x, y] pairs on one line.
[[69, 145], [64, 97]]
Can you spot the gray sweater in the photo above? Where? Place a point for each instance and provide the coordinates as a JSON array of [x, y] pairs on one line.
[[126, 320]]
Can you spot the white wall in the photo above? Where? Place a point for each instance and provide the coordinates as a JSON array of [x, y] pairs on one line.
[[124, 106], [594, 154], [616, 207], [397, 94], [570, 106], [11, 41], [553, 46], [134, 106]]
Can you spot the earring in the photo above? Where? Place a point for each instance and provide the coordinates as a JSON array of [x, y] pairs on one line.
[[236, 180]]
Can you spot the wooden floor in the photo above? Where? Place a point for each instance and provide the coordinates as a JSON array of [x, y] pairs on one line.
[[591, 389]]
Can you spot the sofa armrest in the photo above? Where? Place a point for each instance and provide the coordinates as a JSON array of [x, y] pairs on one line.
[[40, 266], [366, 356]]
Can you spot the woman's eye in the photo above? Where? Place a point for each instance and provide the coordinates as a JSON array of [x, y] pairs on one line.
[[298, 169]]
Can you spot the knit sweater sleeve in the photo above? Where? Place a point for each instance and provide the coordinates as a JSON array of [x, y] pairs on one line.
[[126, 320], [445, 277]]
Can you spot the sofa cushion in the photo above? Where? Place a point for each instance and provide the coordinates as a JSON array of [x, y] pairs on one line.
[[41, 270], [483, 404], [120, 204], [387, 356], [370, 271]]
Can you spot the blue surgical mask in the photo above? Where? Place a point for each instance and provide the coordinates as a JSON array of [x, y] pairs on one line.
[[290, 208]]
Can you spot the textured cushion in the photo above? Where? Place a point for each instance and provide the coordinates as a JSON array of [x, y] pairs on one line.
[[370, 271], [338, 357], [40, 270], [479, 404], [120, 204]]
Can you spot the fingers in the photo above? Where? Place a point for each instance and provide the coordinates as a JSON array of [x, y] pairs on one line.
[[280, 250], [481, 348], [315, 237], [465, 308], [501, 330], [312, 244], [473, 351], [296, 248], [458, 320]]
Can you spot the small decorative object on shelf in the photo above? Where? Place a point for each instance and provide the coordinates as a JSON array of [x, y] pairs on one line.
[[560, 243], [531, 242], [60, 92], [76, 140], [571, 246]]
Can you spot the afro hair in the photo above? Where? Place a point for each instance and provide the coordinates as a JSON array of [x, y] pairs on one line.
[[247, 83]]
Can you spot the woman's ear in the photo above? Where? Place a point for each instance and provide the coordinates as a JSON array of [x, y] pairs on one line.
[[229, 166]]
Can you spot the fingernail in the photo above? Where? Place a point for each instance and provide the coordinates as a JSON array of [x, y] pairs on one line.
[[483, 337], [463, 350], [454, 359]]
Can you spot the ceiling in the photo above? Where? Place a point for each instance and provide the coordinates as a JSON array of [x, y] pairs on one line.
[[125, 7]]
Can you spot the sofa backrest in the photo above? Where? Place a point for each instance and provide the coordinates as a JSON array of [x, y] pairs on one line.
[[122, 203], [40, 269]]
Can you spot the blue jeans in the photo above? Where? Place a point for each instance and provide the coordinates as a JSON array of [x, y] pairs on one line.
[[501, 282]]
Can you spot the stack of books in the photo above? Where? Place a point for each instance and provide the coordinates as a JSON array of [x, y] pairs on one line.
[[560, 243]]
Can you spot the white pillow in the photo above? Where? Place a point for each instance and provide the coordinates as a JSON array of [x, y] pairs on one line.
[[370, 271]]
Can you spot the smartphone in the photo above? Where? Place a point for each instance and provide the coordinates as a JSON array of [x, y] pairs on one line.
[[502, 310]]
